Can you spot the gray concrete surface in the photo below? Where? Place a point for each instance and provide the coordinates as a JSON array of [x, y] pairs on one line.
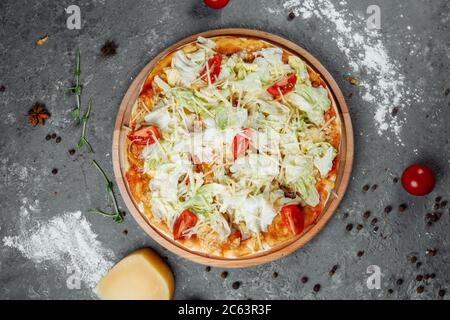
[[144, 28]]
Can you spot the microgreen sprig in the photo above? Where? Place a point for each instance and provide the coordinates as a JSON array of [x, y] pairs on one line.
[[83, 141], [76, 89], [117, 215]]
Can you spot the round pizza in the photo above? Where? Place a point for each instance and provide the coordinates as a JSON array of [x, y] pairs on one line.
[[233, 146]]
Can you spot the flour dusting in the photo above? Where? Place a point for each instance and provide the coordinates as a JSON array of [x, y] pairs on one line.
[[368, 58], [67, 241]]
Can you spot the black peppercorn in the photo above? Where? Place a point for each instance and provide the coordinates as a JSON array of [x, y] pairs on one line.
[[304, 279], [420, 289], [333, 270], [349, 227], [208, 269], [291, 16], [388, 209], [58, 140], [236, 285], [316, 288], [399, 282], [360, 253], [55, 171], [224, 275], [366, 215], [394, 111], [48, 137], [402, 207], [366, 188]]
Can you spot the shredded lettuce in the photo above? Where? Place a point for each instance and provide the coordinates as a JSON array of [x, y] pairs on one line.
[[323, 154], [250, 84], [299, 175], [255, 168], [173, 76], [188, 70], [161, 117], [202, 201], [270, 65], [313, 101], [207, 42], [307, 188], [162, 84], [300, 69], [255, 211], [229, 117]]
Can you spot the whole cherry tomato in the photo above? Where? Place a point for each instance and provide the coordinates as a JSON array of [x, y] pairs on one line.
[[216, 4], [418, 180]]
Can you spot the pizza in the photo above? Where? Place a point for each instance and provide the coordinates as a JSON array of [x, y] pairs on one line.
[[233, 146]]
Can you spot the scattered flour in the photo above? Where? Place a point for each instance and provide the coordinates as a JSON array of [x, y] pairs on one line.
[[67, 241], [381, 82]]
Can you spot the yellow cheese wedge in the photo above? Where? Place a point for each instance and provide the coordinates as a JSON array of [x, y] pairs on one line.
[[142, 275]]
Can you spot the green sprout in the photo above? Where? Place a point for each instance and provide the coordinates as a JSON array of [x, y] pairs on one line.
[[83, 141], [76, 89], [117, 215]]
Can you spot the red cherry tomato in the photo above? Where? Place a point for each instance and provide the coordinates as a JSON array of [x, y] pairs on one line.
[[214, 65], [293, 218], [146, 135], [216, 4], [418, 180], [241, 142], [283, 86], [185, 221]]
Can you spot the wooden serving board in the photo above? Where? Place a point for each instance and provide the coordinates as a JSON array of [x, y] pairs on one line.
[[344, 168]]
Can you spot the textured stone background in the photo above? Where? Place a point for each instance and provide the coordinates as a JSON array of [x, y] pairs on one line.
[[144, 28]]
